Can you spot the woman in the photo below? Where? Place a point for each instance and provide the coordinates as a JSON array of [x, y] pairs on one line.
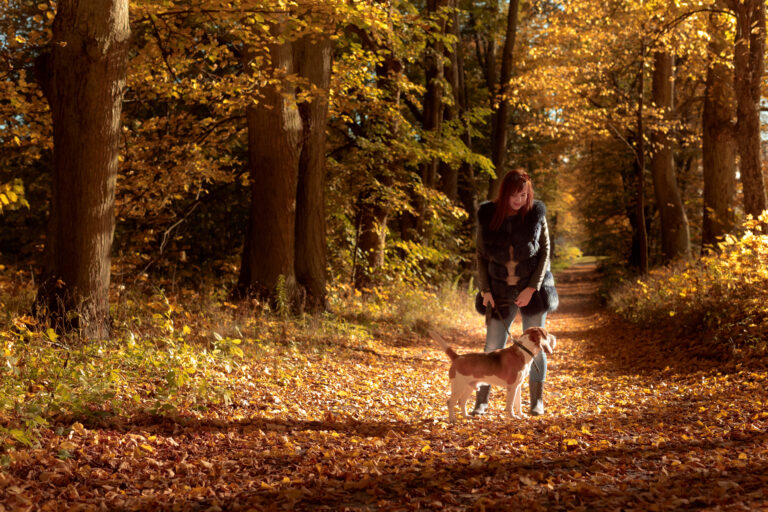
[[513, 264]]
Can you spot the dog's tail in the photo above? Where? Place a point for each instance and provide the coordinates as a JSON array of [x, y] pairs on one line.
[[448, 350]]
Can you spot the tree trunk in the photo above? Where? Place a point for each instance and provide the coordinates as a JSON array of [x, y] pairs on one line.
[[642, 234], [314, 59], [372, 236], [433, 97], [274, 146], [719, 157], [748, 67], [675, 236], [465, 187], [460, 184], [413, 226], [500, 117], [85, 92], [451, 177], [373, 210]]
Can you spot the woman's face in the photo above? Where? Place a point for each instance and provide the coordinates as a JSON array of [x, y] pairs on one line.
[[518, 199]]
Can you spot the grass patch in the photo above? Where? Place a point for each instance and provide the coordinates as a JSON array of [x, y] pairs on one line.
[[190, 353]]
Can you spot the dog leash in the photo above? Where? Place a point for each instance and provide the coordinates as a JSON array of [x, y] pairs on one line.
[[509, 335]]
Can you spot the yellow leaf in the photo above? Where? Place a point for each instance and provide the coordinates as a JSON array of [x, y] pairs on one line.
[[67, 445]]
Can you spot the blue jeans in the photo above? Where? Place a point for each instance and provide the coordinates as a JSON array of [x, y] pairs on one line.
[[496, 338]]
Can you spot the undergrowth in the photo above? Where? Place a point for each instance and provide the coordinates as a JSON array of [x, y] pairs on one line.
[[722, 297], [178, 354]]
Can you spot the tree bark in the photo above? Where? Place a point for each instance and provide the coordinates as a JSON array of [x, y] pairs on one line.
[[748, 67], [675, 235], [500, 106], [413, 225], [274, 146], [314, 59], [372, 229], [642, 234], [433, 96], [459, 184], [85, 92], [372, 210], [449, 176], [718, 152]]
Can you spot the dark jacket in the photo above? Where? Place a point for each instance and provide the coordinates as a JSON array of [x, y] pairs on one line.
[[528, 236]]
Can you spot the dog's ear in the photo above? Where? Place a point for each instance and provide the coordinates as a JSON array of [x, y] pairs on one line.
[[536, 334]]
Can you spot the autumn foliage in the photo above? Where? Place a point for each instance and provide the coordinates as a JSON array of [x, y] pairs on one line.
[[718, 301], [207, 381]]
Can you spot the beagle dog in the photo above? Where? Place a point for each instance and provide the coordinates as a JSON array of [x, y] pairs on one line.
[[506, 367]]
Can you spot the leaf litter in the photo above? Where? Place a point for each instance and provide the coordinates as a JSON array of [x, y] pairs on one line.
[[632, 423]]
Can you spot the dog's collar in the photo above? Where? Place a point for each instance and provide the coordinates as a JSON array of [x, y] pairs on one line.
[[533, 358]]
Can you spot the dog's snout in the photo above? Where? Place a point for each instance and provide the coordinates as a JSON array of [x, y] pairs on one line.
[[552, 341]]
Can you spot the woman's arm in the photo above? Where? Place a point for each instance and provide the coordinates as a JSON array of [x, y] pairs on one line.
[[537, 277], [543, 263], [483, 281]]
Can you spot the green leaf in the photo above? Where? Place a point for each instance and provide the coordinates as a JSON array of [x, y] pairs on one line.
[[21, 436]]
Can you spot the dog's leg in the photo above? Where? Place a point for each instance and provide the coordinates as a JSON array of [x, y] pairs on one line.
[[510, 398], [451, 406], [466, 393], [514, 407], [457, 390], [518, 406]]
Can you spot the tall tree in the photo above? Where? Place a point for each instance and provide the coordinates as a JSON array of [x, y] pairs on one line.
[[500, 104], [454, 70], [748, 68], [413, 225], [275, 139], [675, 235], [83, 80], [458, 183], [314, 56], [641, 233], [432, 115], [718, 151], [287, 144], [373, 207]]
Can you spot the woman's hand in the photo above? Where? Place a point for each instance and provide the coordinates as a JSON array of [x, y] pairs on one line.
[[525, 297], [488, 299]]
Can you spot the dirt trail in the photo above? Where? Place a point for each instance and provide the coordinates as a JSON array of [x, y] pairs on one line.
[[360, 425]]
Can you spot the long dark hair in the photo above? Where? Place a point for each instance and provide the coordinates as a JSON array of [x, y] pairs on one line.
[[514, 182]]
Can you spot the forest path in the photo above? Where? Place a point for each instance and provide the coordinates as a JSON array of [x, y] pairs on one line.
[[359, 424]]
